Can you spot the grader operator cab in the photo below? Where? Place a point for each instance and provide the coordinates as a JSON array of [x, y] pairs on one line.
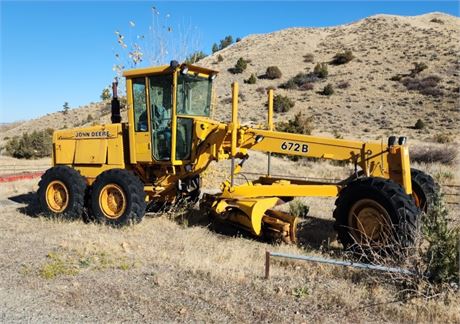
[[112, 173]]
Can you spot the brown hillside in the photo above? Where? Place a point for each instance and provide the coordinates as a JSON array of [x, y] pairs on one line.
[[371, 106], [383, 46]]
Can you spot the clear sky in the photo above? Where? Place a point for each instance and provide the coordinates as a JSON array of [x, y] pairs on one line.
[[53, 52]]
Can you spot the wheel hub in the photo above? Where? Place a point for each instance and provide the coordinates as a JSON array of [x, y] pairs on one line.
[[369, 221], [112, 201], [57, 196]]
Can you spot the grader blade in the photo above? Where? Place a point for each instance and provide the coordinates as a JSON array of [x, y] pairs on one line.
[[256, 216]]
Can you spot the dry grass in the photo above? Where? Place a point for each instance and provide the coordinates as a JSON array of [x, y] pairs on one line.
[[161, 270]]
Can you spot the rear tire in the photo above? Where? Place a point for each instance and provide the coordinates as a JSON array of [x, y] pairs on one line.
[[375, 212], [424, 189], [117, 198], [61, 193]]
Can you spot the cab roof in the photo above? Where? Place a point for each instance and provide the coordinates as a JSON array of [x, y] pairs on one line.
[[164, 69]]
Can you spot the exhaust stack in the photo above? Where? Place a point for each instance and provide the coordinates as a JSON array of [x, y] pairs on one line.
[[116, 117]]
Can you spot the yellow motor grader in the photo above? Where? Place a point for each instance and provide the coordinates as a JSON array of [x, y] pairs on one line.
[[113, 173]]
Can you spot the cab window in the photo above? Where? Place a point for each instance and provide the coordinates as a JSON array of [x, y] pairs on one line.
[[193, 95], [161, 107], [140, 105]]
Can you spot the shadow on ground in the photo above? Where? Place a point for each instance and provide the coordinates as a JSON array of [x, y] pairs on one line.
[[312, 232], [316, 233], [30, 200]]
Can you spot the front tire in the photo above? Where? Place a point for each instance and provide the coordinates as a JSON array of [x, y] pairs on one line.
[[117, 198], [375, 213], [61, 193]]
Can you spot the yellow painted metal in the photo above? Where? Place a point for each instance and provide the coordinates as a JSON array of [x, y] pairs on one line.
[[143, 147], [89, 145], [270, 109], [201, 70], [89, 151], [252, 211], [57, 196], [234, 125], [131, 137], [281, 190], [405, 168], [90, 172], [174, 120], [112, 201], [64, 151], [134, 73]]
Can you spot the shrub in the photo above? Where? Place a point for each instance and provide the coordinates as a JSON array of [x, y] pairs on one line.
[[328, 90], [65, 108], [426, 86], [239, 67], [220, 58], [282, 103], [308, 58], [442, 138], [273, 72], [419, 124], [227, 41], [89, 118], [342, 58], [343, 85], [195, 57], [261, 90], [299, 125], [433, 92], [321, 71], [106, 95], [441, 255], [444, 155], [337, 134], [303, 81], [298, 208], [289, 85], [37, 144], [306, 86], [252, 79], [437, 21], [418, 67]]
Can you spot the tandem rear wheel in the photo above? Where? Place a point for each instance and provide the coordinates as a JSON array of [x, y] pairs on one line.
[[117, 198], [61, 193]]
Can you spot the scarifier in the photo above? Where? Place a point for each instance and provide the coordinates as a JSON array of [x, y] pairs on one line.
[[113, 173]]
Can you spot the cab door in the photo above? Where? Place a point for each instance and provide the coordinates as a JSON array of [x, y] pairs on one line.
[[161, 110], [139, 93]]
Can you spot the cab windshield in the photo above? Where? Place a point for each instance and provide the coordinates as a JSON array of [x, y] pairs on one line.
[[193, 95]]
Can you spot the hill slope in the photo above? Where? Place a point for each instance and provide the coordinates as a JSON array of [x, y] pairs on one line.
[[371, 106], [383, 46]]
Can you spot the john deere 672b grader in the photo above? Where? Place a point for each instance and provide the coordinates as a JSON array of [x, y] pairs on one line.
[[113, 173]]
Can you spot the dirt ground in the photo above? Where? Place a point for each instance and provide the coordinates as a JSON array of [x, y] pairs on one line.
[[165, 269]]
